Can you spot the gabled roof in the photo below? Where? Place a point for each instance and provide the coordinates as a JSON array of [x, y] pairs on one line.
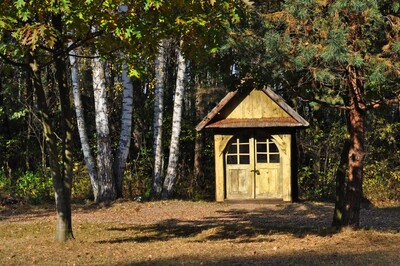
[[293, 119]]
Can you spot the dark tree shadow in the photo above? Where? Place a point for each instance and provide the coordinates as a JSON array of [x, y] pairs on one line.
[[243, 225], [381, 219], [333, 258], [236, 224], [26, 211]]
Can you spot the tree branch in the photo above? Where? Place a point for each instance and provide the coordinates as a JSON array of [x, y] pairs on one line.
[[326, 104], [11, 62], [79, 43], [384, 102]]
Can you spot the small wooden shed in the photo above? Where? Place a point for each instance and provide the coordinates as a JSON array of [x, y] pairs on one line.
[[254, 145]]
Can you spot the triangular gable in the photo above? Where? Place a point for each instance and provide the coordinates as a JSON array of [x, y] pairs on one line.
[[288, 117]]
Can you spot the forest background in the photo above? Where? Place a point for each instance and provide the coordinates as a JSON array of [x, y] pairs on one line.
[[99, 99]]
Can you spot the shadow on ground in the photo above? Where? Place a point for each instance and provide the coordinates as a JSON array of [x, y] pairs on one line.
[[305, 258], [243, 225]]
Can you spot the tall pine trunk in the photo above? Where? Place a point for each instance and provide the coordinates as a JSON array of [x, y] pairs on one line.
[[357, 118], [170, 178], [340, 179], [351, 214], [106, 185], [126, 129], [158, 120], [80, 118]]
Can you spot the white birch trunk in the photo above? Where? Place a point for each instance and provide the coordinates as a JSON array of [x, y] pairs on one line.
[[106, 186], [158, 119], [170, 179], [126, 129], [87, 153]]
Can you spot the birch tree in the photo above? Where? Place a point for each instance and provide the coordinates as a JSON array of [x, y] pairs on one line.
[[106, 185], [80, 118], [170, 178], [126, 130], [158, 119]]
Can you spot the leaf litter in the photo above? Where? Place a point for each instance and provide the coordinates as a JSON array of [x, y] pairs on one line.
[[199, 233]]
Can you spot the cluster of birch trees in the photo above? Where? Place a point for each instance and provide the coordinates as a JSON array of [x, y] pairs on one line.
[[54, 44]]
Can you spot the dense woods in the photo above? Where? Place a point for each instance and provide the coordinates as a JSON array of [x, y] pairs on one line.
[[100, 99]]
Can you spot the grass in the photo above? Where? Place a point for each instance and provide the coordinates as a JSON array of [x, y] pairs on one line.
[[198, 233]]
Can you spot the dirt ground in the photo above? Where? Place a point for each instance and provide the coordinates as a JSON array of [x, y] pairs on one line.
[[199, 233]]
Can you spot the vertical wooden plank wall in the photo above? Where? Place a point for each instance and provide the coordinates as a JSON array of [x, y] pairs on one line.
[[220, 142]]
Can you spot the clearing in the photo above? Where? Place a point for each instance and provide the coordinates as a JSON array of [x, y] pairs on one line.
[[198, 233]]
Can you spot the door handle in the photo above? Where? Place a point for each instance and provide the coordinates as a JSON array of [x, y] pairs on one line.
[[256, 171]]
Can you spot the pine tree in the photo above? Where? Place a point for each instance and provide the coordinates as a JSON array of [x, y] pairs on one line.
[[341, 54]]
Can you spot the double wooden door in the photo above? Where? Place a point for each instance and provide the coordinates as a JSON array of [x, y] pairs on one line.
[[252, 168]]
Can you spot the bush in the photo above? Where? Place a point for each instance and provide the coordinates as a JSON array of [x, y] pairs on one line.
[[34, 187], [5, 184], [81, 187], [320, 187], [381, 183]]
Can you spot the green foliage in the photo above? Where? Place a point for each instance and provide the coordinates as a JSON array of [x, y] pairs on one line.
[[382, 179], [320, 187], [5, 182], [34, 187], [381, 184], [138, 175], [321, 144], [81, 187]]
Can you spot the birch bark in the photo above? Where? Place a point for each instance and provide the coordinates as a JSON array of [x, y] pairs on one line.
[[87, 152], [126, 129], [158, 119], [106, 187], [170, 179]]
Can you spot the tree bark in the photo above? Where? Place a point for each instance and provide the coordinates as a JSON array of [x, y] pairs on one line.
[[341, 185], [198, 171], [351, 214], [170, 179], [61, 185], [106, 185], [126, 130], [80, 118], [158, 120], [29, 121], [357, 118]]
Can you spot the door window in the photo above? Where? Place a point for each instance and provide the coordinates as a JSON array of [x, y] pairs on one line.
[[239, 151], [266, 151]]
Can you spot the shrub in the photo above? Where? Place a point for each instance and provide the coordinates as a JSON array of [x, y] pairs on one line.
[[81, 187], [34, 187]]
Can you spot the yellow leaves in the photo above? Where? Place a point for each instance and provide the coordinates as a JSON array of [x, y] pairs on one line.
[[180, 21], [276, 16], [133, 72], [322, 2], [34, 35], [248, 3], [34, 66]]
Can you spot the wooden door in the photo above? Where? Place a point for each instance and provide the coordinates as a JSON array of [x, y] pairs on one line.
[[267, 163], [253, 168], [239, 169]]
